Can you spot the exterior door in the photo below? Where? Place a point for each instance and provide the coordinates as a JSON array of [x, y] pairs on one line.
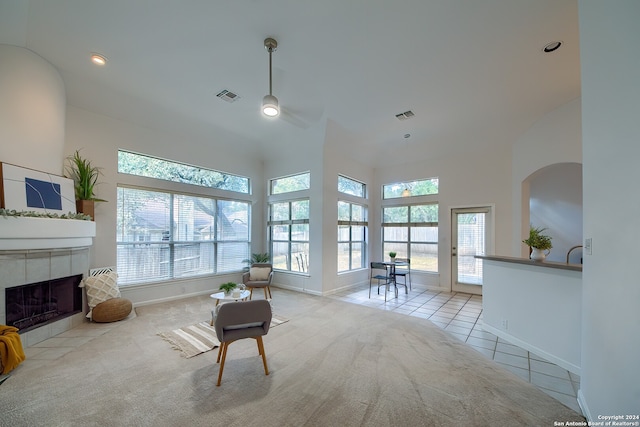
[[471, 235]]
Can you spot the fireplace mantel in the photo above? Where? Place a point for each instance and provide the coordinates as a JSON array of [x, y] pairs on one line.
[[33, 233]]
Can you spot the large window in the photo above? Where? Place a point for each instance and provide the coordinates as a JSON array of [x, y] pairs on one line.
[[423, 187], [289, 235], [152, 167], [163, 235], [352, 234], [412, 232]]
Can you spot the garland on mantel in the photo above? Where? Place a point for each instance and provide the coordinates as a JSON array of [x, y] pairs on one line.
[[6, 213]]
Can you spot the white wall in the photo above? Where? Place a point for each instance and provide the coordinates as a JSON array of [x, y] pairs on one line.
[[555, 138], [307, 158], [336, 162], [32, 111], [609, 40], [472, 179]]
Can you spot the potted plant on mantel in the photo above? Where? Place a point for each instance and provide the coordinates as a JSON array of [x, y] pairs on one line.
[[539, 243], [85, 178]]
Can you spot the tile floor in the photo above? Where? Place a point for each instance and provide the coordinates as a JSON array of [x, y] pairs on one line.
[[460, 315]]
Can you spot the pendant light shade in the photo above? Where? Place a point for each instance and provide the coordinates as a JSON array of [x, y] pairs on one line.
[[270, 107], [406, 193]]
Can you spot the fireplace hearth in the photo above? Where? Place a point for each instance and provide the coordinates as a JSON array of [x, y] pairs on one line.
[[36, 304]]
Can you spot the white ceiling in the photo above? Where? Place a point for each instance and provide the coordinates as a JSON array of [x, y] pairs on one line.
[[472, 71]]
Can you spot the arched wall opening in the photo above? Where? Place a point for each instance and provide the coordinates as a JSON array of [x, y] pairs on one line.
[[552, 199]]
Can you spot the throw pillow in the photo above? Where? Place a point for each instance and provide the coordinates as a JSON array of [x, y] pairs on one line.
[[259, 274], [100, 288]]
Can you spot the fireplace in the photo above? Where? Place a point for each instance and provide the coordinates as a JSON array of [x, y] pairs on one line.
[[36, 304]]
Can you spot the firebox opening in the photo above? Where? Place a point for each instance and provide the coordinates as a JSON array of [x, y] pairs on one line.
[[31, 306]]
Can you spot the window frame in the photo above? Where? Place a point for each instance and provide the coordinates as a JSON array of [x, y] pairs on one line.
[[290, 242], [173, 244], [410, 241], [353, 223], [396, 189]]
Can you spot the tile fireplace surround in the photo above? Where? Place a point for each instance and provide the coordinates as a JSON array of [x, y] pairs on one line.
[[38, 249]]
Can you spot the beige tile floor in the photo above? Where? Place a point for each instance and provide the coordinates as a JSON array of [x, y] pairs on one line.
[[460, 315]]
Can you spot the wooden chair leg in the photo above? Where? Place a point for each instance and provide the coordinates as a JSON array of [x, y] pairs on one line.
[[269, 289], [264, 356], [265, 293], [220, 352], [250, 293], [223, 348]]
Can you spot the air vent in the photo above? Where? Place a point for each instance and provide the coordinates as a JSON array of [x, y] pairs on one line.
[[228, 96], [404, 116]]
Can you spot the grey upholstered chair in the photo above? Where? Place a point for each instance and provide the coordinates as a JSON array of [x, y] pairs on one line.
[[243, 319], [259, 276]]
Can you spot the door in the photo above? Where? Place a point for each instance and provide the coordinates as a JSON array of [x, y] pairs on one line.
[[471, 235]]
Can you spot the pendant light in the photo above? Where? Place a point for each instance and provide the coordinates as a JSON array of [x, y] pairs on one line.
[[406, 192], [270, 105]]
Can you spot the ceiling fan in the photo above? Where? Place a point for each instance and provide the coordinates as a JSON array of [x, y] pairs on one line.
[[271, 106]]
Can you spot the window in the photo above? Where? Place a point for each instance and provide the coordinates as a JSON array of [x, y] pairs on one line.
[[163, 235], [412, 232], [423, 187], [352, 234], [291, 183], [349, 186], [289, 235], [151, 167]]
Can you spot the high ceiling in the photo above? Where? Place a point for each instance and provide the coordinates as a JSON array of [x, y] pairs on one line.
[[472, 71]]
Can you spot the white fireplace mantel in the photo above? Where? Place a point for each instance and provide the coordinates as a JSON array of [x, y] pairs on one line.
[[34, 233]]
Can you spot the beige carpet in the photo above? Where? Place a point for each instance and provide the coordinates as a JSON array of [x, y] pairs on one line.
[[332, 364], [200, 337]]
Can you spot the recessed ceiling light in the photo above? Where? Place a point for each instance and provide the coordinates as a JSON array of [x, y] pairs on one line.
[[552, 47], [98, 59]]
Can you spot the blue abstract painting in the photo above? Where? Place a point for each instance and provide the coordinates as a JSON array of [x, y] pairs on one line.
[[43, 194]]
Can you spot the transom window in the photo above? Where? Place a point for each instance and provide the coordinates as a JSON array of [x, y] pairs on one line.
[[412, 232], [291, 183], [152, 167], [350, 186], [165, 235], [352, 236], [289, 235], [423, 187]]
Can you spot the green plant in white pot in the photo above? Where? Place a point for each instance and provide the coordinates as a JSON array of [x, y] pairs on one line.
[[539, 243]]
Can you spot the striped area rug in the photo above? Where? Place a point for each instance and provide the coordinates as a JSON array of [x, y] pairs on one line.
[[201, 337]]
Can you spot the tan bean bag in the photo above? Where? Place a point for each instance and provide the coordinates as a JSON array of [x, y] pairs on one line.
[[111, 310]]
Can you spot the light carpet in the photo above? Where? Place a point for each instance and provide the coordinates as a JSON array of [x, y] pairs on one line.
[[199, 338]]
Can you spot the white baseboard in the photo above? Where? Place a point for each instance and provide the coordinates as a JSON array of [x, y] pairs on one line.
[[583, 406]]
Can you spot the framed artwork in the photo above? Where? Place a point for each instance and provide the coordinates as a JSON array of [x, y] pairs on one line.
[[26, 189]]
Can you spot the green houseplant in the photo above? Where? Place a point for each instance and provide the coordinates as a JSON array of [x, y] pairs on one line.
[[538, 243], [227, 287], [258, 258], [85, 178], [392, 255]]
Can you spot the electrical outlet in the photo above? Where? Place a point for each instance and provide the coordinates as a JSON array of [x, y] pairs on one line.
[[505, 324]]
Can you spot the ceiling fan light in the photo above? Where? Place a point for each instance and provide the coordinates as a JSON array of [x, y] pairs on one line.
[[270, 106]]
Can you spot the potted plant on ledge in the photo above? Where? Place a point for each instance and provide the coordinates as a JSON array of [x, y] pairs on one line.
[[85, 178], [539, 243]]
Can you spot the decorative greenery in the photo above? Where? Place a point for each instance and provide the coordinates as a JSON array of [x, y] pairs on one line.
[[537, 239], [257, 259], [228, 287], [84, 175], [392, 254], [6, 213]]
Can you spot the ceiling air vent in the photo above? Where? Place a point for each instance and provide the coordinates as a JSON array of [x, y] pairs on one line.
[[228, 96], [404, 116]]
